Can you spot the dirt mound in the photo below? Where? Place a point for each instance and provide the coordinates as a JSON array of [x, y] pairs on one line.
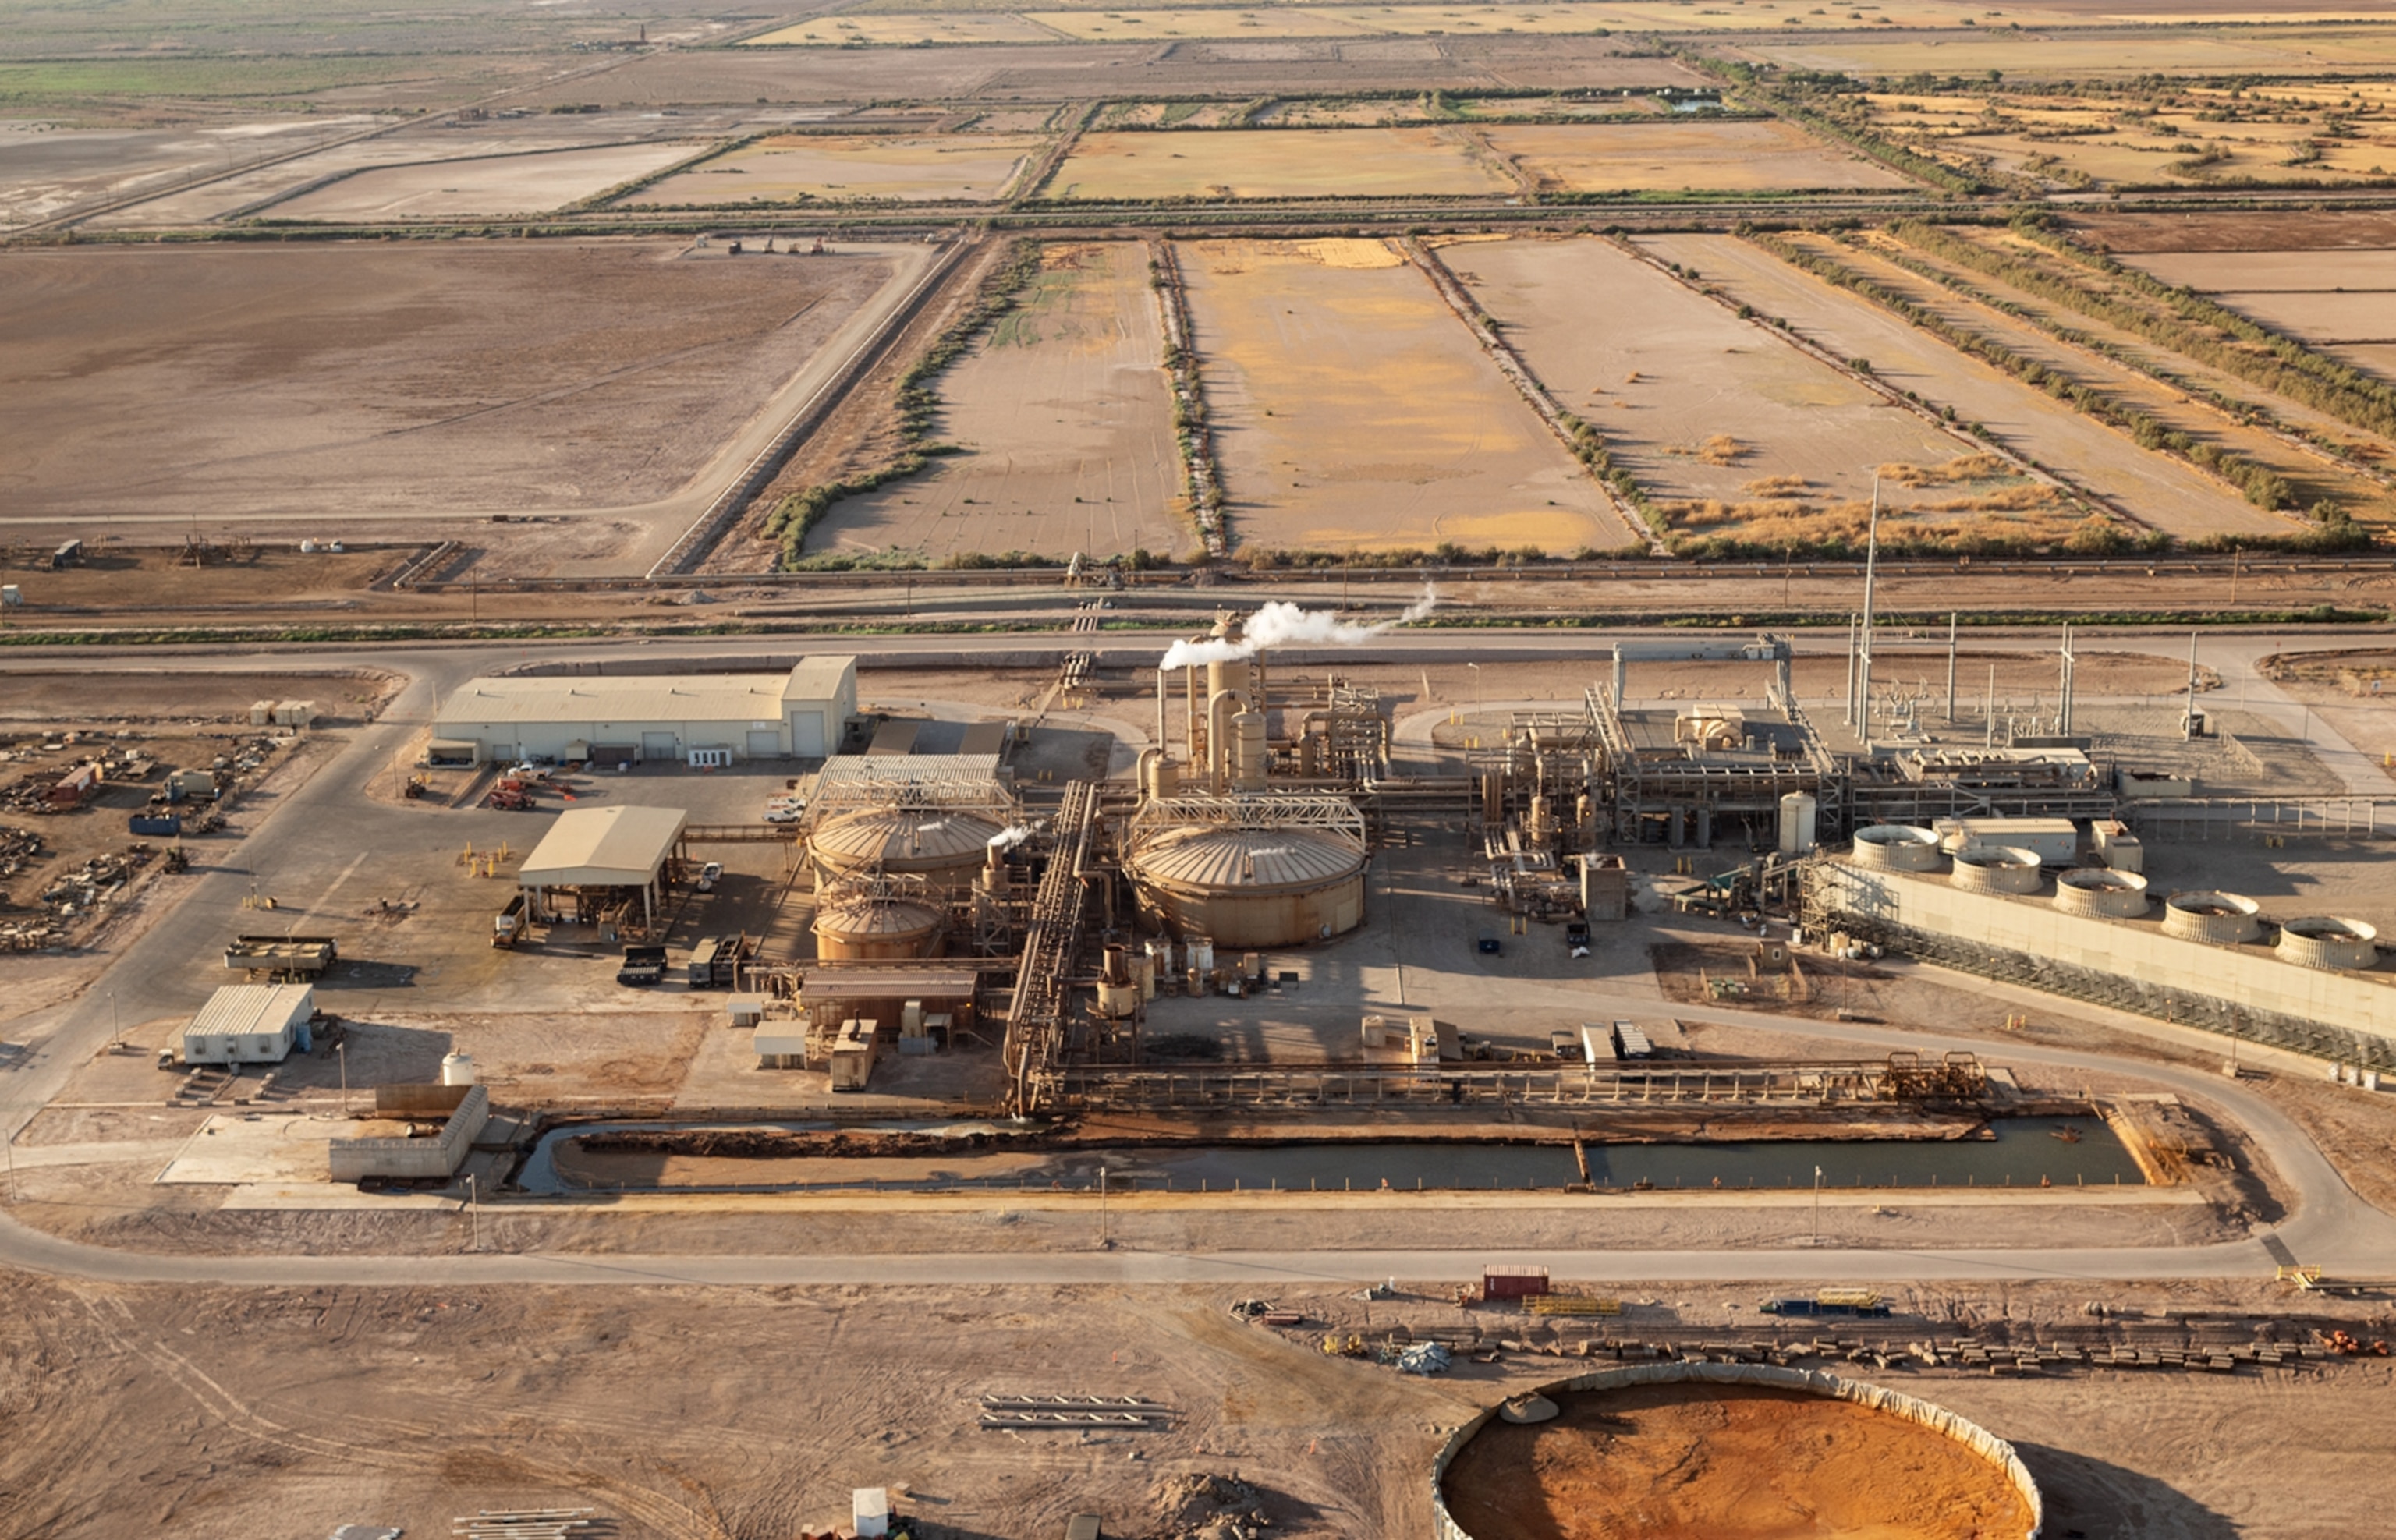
[[1200, 1506], [1711, 1462]]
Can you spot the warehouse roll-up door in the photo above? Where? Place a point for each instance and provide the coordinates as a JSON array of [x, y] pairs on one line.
[[765, 745], [659, 745], [807, 735]]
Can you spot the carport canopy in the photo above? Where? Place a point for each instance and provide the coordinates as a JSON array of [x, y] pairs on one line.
[[604, 847]]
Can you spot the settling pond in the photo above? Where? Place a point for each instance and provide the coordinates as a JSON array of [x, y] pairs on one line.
[[2064, 1152]]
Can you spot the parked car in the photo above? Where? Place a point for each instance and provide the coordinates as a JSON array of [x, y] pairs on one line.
[[708, 875]]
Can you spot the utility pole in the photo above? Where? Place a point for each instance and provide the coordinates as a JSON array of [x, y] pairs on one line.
[[2187, 718], [1864, 658], [1951, 667], [2063, 711], [1990, 740], [1103, 1241], [474, 1209], [341, 1052], [1849, 704], [1818, 1205]]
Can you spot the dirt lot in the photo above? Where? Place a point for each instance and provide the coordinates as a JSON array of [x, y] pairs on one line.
[[1276, 163], [1724, 1461], [1066, 421], [838, 167], [1353, 410], [313, 378], [2159, 492], [2309, 230], [1658, 370], [2094, 51], [1691, 155], [497, 185], [48, 169]]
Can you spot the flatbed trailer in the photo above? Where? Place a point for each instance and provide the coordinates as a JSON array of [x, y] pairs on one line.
[[282, 958]]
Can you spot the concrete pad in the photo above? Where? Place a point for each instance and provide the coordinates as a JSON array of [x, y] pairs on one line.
[[231, 1148]]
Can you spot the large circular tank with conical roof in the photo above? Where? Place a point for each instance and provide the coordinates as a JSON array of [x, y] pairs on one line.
[[1250, 888], [945, 849], [2222, 918], [1897, 847], [868, 927], [1997, 869], [2328, 941], [2101, 893]]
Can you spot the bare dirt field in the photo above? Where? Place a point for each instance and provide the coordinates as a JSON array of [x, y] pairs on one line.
[[904, 30], [1736, 1462], [1066, 424], [2157, 491], [1688, 155], [1275, 163], [313, 378], [500, 184], [48, 169], [2311, 230], [1353, 410], [2084, 51], [837, 167], [1658, 370]]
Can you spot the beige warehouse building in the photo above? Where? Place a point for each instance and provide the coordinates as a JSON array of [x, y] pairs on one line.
[[701, 719]]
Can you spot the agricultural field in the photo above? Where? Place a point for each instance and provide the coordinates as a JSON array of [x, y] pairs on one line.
[[2095, 52], [845, 167], [1065, 424], [1353, 411], [1287, 162], [496, 185], [49, 170], [844, 32], [2130, 140], [1165, 26], [1691, 155], [2342, 302], [1730, 429], [2151, 489], [326, 378], [1468, 20]]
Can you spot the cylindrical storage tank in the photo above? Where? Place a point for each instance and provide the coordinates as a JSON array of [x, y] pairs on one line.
[[1164, 778], [2223, 919], [1160, 955], [1143, 973], [870, 927], [1997, 869], [457, 1068], [1899, 847], [2325, 941], [1249, 888], [1201, 953], [1799, 816], [1248, 751], [2102, 894], [1232, 673], [945, 849]]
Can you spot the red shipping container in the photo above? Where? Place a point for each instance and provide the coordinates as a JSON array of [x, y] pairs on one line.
[[1512, 1282]]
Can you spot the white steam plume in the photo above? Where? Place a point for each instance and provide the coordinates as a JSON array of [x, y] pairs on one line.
[[1282, 624], [1009, 837]]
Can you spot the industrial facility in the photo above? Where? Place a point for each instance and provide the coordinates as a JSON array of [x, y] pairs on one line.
[[611, 719]]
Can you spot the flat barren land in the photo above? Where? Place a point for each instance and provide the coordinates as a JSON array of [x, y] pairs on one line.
[[1695, 402], [500, 184], [837, 167], [1688, 155], [324, 378], [1354, 411], [1277, 164], [1065, 421]]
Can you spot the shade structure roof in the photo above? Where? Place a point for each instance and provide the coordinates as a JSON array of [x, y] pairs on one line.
[[604, 847]]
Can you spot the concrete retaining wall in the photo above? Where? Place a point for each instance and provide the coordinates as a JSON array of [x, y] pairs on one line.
[[436, 1158], [1936, 1418]]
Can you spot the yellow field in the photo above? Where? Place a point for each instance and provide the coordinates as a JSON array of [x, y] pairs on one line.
[[2072, 54], [898, 30], [1277, 162], [1353, 411], [840, 166], [1691, 155]]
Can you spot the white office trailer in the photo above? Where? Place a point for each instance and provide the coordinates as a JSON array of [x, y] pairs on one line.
[[250, 1023], [610, 719]]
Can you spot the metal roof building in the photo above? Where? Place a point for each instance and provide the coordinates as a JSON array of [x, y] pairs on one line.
[[250, 1023], [704, 718], [604, 847]]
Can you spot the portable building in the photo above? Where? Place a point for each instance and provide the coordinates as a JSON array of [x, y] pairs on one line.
[[250, 1023]]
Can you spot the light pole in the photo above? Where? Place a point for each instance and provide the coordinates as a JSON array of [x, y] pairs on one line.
[[1818, 1205], [341, 1052], [1477, 703], [1102, 1207], [116, 1026], [474, 1209]]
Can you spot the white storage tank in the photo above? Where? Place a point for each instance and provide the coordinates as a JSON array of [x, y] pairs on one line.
[[2106, 894], [457, 1068], [2223, 919], [1799, 815], [2328, 941], [1997, 869], [1897, 847]]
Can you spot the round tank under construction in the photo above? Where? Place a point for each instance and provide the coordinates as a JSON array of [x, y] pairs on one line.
[[1249, 886], [2222, 918], [1996, 869], [2325, 941], [944, 848], [2099, 893], [868, 925], [1897, 847], [1725, 1449]]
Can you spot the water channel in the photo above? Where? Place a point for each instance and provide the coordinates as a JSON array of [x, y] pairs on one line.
[[2064, 1152]]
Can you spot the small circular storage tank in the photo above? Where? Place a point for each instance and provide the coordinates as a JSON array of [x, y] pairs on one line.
[[457, 1068], [945, 849], [867, 926], [1897, 847], [2102, 892], [1250, 888], [2224, 919], [1800, 820], [1997, 869], [2326, 941]]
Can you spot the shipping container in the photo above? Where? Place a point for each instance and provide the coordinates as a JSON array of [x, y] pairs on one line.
[[166, 824], [1512, 1282]]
